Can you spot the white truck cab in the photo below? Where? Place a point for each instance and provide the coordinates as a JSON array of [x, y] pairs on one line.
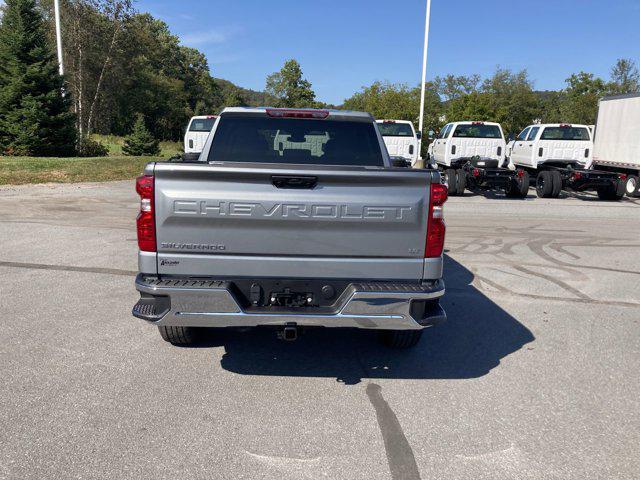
[[400, 138], [197, 133], [557, 143], [461, 142]]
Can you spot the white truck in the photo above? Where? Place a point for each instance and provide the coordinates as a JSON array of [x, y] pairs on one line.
[[197, 133], [617, 139], [558, 155], [472, 154], [401, 139]]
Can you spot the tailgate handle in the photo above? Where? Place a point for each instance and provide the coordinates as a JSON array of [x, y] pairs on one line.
[[301, 183]]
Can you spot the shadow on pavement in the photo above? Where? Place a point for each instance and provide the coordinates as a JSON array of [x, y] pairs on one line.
[[476, 337]]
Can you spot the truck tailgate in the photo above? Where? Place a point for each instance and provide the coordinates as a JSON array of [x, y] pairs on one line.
[[235, 221]]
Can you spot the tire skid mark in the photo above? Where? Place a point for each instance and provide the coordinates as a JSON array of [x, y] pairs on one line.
[[479, 280], [69, 268], [549, 278], [402, 462]]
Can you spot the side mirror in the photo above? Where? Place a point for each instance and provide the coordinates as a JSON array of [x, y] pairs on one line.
[[419, 135]]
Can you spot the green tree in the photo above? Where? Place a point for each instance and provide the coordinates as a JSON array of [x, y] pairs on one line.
[[452, 86], [625, 77], [289, 87], [580, 100], [141, 142], [34, 114], [234, 98], [396, 101]]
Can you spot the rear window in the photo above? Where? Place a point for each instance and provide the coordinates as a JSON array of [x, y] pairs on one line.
[[201, 125], [565, 133], [297, 141], [477, 131], [389, 129]]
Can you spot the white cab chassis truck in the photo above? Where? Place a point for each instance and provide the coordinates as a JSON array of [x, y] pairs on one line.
[[401, 139], [617, 139], [197, 133], [558, 157], [471, 155]]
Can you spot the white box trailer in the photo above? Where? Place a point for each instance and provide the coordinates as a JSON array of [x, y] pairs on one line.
[[617, 139]]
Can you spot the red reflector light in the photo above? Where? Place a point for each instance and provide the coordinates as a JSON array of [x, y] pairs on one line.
[[622, 176], [436, 228], [297, 113], [520, 173], [475, 172], [146, 222], [577, 176]]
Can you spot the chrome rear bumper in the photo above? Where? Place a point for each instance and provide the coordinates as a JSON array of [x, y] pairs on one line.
[[211, 303]]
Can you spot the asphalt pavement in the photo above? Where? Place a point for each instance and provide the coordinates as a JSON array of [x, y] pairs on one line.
[[536, 374]]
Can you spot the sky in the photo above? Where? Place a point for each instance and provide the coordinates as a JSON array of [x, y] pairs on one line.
[[344, 45]]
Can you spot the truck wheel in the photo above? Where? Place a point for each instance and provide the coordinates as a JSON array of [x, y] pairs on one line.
[[556, 182], [178, 335], [452, 181], [544, 185], [518, 187], [402, 338], [614, 192], [462, 181], [632, 186]]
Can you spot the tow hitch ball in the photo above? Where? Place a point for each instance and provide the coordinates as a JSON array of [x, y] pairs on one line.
[[289, 333]]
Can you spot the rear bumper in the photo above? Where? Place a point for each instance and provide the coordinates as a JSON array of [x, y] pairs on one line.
[[211, 303]]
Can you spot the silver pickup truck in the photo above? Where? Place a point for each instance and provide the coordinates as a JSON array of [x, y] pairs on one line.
[[290, 219]]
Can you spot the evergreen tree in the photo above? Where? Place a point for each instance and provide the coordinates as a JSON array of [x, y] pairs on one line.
[[34, 114], [141, 142]]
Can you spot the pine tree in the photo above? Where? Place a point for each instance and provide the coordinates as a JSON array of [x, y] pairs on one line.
[[35, 118], [141, 142]]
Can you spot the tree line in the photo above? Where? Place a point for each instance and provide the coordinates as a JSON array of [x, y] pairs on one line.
[[126, 71]]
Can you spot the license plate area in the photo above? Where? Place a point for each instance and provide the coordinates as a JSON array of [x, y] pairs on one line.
[[290, 299]]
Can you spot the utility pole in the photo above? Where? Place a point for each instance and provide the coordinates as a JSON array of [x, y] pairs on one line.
[[56, 7], [424, 72]]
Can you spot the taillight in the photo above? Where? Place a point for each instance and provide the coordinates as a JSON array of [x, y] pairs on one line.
[[297, 113], [436, 228], [146, 218]]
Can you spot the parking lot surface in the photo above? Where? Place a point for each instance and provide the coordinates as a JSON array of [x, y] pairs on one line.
[[535, 375]]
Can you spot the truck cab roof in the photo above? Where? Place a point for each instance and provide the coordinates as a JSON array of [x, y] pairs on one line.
[[474, 122], [319, 113]]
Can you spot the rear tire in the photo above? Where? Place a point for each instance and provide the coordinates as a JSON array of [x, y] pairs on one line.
[[461, 184], [518, 186], [178, 335], [612, 193], [452, 181], [402, 338], [544, 184], [556, 182], [632, 186]]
